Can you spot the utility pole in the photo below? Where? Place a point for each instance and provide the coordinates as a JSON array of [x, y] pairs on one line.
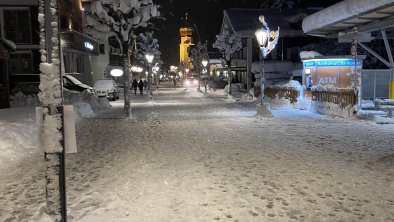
[[51, 96]]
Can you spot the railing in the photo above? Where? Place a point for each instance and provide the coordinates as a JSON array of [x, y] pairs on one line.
[[282, 92], [342, 97]]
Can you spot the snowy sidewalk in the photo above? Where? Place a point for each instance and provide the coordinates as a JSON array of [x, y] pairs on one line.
[[189, 158]]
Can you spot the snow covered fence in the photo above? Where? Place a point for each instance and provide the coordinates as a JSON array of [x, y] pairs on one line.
[[282, 92], [289, 95], [334, 101]]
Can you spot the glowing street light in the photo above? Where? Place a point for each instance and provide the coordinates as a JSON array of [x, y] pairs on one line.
[[116, 71], [149, 58], [267, 41], [136, 69], [204, 63]]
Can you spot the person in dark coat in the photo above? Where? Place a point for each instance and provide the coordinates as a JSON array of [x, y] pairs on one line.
[[141, 86], [174, 81], [134, 85]]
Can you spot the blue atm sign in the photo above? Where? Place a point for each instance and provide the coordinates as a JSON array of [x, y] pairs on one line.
[[332, 62]]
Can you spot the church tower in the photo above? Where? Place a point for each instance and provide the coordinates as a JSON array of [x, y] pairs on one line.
[[186, 34]]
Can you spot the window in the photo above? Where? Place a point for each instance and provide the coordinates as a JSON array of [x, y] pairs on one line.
[[102, 48], [73, 63], [17, 26], [20, 63]]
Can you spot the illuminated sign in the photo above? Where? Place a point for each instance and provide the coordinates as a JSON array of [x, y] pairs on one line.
[[328, 80], [88, 45], [332, 62]]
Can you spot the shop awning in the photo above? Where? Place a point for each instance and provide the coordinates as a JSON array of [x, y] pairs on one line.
[[367, 15]]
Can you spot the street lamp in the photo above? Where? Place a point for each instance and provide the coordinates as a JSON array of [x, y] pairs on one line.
[[267, 41], [155, 70], [149, 59], [116, 71], [204, 63]]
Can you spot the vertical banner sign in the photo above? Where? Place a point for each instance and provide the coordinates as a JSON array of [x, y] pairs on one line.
[[52, 125]]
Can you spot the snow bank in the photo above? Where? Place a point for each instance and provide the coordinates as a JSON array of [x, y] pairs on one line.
[[20, 100], [263, 110], [85, 104], [285, 103], [18, 133]]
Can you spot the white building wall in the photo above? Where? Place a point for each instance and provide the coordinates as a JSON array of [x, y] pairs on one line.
[[99, 65]]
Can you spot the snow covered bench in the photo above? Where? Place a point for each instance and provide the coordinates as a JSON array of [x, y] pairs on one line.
[[386, 105]]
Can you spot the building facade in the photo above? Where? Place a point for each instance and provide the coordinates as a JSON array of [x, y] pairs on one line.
[[19, 24]]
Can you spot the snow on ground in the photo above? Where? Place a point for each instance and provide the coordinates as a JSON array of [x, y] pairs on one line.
[[188, 157]]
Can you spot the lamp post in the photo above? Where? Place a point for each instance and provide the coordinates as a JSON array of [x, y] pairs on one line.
[[149, 59], [155, 70], [267, 41], [204, 64]]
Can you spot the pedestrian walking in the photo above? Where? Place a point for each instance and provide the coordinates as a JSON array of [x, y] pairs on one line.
[[174, 80], [141, 87], [134, 85]]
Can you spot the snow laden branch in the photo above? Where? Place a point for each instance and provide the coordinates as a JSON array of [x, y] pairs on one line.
[[228, 43], [119, 18], [147, 44]]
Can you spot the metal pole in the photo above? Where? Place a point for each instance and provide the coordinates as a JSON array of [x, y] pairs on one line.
[[150, 82], [262, 75], [199, 77]]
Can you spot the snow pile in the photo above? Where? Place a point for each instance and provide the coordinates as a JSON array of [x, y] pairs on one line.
[[85, 104], [309, 54], [285, 103], [330, 108], [41, 216], [21, 100], [18, 133], [263, 110]]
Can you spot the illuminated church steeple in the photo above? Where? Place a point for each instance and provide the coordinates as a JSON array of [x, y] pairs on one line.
[[186, 33]]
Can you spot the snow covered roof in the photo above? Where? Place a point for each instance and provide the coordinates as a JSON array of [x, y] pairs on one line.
[[244, 22], [366, 15]]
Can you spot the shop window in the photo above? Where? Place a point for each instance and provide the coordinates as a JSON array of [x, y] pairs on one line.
[[17, 25], [73, 63], [20, 63]]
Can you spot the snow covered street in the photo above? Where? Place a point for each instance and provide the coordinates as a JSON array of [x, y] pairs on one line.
[[188, 157]]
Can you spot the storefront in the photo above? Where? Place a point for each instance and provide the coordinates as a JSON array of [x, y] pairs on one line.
[[77, 50], [336, 71]]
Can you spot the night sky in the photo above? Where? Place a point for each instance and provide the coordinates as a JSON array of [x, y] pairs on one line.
[[205, 16]]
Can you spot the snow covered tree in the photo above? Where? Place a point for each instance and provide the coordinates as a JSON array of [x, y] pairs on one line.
[[197, 54], [120, 19], [228, 43], [146, 44]]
